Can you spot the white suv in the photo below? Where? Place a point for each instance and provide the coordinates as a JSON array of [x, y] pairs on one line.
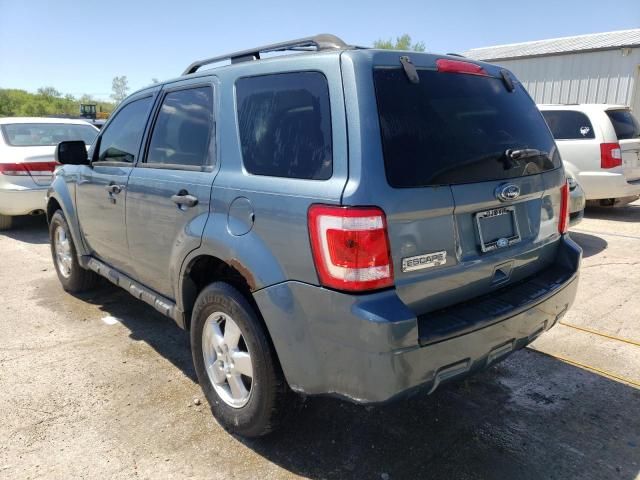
[[27, 147], [600, 146]]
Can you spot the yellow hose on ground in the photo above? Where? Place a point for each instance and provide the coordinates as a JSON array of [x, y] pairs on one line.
[[593, 369], [606, 335]]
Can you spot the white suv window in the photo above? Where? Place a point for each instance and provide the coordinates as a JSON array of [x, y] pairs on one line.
[[568, 124], [624, 123]]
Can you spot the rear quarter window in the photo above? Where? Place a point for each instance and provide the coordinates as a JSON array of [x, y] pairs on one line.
[[454, 128], [284, 121], [625, 124], [568, 125]]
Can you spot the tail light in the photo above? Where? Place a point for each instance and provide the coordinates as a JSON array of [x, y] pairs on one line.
[[563, 221], [610, 155], [350, 247], [27, 168], [458, 66]]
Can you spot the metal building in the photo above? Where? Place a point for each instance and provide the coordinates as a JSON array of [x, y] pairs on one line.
[[594, 68]]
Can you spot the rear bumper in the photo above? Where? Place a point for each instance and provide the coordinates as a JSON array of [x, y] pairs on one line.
[[22, 201], [372, 348], [601, 185]]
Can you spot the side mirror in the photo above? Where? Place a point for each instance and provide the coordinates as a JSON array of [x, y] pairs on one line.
[[73, 152]]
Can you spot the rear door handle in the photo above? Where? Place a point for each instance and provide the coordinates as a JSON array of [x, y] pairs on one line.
[[113, 188], [183, 199]]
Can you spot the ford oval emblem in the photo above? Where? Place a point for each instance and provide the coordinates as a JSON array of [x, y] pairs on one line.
[[502, 242], [507, 192]]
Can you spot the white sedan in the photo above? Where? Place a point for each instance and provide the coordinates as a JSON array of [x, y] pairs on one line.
[[27, 148]]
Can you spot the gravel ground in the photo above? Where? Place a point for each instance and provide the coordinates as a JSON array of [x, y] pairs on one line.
[[102, 386]]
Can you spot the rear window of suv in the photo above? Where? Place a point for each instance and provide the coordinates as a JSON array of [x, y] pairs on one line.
[[568, 124], [454, 128], [625, 124]]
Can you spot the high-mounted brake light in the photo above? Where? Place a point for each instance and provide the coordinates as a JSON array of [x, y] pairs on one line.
[[458, 66], [610, 155], [563, 220], [350, 247], [27, 168]]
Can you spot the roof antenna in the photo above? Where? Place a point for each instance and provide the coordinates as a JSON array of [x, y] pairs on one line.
[[409, 69]]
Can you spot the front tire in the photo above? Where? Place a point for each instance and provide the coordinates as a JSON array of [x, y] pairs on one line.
[[235, 362], [5, 222], [72, 276]]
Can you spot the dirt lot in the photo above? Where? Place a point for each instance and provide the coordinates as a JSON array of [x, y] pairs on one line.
[[102, 387]]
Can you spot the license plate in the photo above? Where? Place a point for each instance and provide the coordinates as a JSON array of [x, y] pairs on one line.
[[497, 228]]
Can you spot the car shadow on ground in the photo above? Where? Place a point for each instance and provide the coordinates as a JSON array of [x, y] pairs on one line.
[[591, 244], [29, 229], [628, 213], [144, 324], [530, 417]]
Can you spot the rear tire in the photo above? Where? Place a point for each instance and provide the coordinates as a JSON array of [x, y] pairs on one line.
[[72, 276], [5, 222], [235, 362]]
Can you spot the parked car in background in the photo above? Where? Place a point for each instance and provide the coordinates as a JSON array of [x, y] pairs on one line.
[[27, 148], [600, 147], [345, 221], [577, 200]]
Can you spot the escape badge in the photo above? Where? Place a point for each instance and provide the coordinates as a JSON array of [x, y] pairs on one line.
[[427, 260]]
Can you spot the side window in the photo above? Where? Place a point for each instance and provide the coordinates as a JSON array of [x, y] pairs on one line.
[[624, 123], [568, 125], [121, 139], [182, 130], [284, 122]]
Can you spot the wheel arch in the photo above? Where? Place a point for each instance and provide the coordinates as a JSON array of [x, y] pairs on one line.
[[203, 269], [52, 206], [60, 198]]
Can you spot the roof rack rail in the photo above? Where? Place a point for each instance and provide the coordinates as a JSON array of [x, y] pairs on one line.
[[324, 41]]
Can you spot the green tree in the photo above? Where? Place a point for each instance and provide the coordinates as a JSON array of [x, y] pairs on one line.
[[49, 92], [47, 101], [86, 98], [120, 87], [402, 43]]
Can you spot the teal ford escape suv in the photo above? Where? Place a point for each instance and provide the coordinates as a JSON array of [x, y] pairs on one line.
[[337, 220]]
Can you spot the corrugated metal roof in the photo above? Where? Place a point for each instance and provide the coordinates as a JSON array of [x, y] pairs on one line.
[[555, 46]]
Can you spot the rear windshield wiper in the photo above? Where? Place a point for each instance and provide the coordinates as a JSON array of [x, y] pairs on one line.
[[525, 153], [513, 156]]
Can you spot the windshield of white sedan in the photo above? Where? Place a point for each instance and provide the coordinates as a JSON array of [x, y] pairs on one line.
[[46, 134]]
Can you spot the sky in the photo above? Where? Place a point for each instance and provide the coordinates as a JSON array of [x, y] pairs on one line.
[[79, 46]]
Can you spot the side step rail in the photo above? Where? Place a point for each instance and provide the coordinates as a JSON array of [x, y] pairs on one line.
[[163, 305]]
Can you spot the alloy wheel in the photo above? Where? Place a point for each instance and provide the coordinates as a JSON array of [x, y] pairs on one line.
[[227, 359], [62, 246]]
